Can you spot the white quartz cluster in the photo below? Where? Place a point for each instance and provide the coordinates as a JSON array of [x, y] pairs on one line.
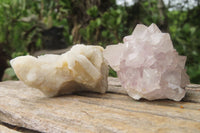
[[81, 69], [148, 66]]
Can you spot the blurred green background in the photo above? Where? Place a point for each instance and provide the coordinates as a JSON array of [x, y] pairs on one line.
[[27, 26]]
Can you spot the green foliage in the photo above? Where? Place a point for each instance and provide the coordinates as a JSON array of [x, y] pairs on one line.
[[150, 12], [112, 73], [106, 27], [22, 20], [93, 11], [11, 28]]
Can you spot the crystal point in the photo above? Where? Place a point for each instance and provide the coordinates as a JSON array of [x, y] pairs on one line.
[[81, 69], [148, 66]]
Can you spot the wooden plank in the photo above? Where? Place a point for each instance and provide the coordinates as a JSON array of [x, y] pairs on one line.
[[92, 112]]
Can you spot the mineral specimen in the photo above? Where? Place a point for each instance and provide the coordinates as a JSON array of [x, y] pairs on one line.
[[80, 69], [148, 66]]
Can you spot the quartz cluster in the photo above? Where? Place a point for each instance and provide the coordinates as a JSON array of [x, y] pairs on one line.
[[81, 69], [148, 66]]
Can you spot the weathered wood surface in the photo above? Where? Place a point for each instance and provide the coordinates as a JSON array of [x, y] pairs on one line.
[[91, 112]]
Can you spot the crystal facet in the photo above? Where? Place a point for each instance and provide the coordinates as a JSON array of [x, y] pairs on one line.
[[148, 66], [81, 69]]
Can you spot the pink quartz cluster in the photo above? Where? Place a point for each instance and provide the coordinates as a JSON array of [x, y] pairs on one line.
[[148, 66]]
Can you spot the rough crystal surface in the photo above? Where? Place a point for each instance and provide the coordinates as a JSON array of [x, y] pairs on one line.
[[148, 66], [81, 69]]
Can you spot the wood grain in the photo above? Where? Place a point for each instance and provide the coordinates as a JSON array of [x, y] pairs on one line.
[[114, 111]]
